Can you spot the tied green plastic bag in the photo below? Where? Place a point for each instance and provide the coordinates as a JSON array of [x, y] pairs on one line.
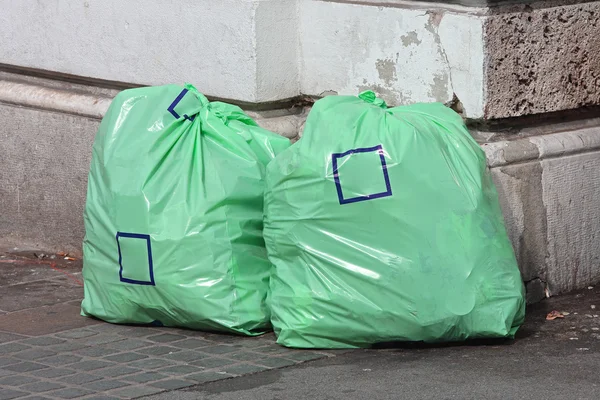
[[174, 211], [384, 225]]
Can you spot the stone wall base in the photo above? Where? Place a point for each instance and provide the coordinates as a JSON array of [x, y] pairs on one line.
[[548, 183]]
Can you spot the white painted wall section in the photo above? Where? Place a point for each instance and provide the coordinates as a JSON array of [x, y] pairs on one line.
[[277, 42], [461, 40], [205, 42]]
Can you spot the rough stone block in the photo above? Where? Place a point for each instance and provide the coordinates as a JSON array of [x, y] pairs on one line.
[[542, 59]]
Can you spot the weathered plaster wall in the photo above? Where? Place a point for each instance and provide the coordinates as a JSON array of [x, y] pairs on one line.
[[406, 55]]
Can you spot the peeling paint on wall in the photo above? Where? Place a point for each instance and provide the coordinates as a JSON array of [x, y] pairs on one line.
[[411, 38]]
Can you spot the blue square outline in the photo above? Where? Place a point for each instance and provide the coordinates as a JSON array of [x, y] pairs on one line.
[[150, 263], [336, 176]]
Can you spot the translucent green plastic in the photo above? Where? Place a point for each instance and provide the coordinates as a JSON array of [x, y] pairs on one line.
[[384, 225], [174, 213]]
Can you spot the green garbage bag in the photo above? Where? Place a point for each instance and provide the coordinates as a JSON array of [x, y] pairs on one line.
[[173, 218], [384, 225]]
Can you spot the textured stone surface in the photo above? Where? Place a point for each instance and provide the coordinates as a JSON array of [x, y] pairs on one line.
[[44, 163], [570, 193], [551, 213], [542, 59]]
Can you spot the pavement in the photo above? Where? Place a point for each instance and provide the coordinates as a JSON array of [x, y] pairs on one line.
[[49, 351]]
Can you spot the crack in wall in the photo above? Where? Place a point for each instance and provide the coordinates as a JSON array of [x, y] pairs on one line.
[[432, 26]]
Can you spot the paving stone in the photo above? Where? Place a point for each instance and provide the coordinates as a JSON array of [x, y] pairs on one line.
[[159, 350], [207, 376], [165, 338], [219, 349], [193, 343], [223, 338], [9, 394], [90, 365], [243, 369], [9, 348], [275, 362], [273, 350], [40, 387], [104, 385], [69, 346], [97, 351], [136, 391], [151, 363], [145, 377], [4, 372], [138, 332], [246, 356], [172, 384], [54, 372], [252, 343], [101, 339], [6, 337], [80, 379], [17, 380], [108, 327], [186, 356], [304, 356], [71, 393], [61, 359], [25, 366], [43, 341], [117, 372], [188, 332], [130, 344], [213, 362], [180, 370], [76, 334], [102, 397], [8, 361], [34, 354], [126, 357]]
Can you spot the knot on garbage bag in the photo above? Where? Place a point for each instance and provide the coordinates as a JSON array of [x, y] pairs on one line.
[[370, 97]]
